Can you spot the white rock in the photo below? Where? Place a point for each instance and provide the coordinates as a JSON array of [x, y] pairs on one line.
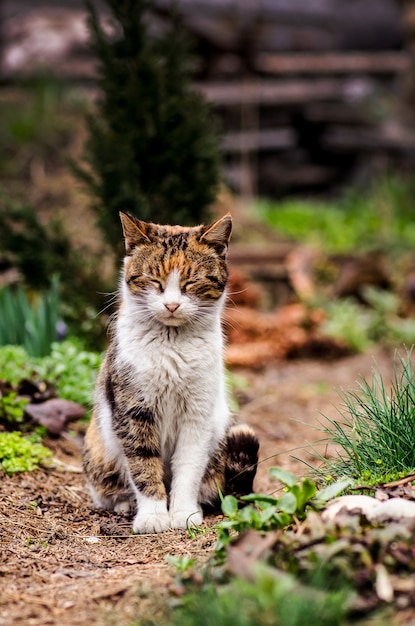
[[349, 504], [395, 509]]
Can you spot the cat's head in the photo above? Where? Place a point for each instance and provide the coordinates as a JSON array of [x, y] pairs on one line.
[[175, 275]]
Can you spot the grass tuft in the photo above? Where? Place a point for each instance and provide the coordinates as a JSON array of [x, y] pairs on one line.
[[376, 431], [31, 325]]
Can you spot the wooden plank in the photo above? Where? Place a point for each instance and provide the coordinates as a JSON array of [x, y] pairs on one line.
[[343, 113], [272, 92], [258, 256], [354, 139], [379, 63], [264, 140]]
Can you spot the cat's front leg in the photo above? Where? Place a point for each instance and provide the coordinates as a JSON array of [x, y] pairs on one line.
[[146, 477], [189, 463], [137, 433]]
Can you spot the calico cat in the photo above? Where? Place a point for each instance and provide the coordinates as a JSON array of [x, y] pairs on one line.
[[162, 440]]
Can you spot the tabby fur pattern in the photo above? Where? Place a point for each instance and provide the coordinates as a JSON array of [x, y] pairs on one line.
[[162, 440]]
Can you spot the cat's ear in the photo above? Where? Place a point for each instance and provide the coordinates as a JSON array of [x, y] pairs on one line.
[[135, 231], [218, 233]]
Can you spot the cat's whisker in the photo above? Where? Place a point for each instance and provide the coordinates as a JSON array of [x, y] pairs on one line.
[[229, 325], [236, 293], [230, 304], [107, 293], [109, 304], [230, 308]]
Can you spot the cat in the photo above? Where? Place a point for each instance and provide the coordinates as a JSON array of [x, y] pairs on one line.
[[162, 440]]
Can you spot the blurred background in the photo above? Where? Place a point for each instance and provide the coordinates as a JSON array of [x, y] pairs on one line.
[[310, 93], [311, 106]]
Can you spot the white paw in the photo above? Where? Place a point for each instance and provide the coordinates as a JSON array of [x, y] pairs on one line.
[[186, 518], [149, 523]]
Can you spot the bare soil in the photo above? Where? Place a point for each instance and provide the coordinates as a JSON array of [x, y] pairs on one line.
[[63, 563]]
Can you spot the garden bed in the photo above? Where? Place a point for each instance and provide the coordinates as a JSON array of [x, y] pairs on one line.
[[64, 563]]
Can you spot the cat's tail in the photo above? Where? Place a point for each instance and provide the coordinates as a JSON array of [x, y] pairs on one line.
[[231, 471], [242, 447]]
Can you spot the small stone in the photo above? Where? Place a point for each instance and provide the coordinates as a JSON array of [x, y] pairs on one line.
[[353, 505]]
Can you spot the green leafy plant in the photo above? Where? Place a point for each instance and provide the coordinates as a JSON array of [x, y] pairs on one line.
[[72, 370], [181, 563], [266, 512], [360, 326], [31, 325], [69, 368], [376, 429], [12, 407], [152, 148], [386, 324], [20, 453], [270, 598], [349, 322], [15, 364]]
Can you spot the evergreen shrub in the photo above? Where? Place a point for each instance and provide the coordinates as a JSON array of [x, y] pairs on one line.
[[153, 146]]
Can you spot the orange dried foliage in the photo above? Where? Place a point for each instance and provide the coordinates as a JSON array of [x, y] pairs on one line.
[[242, 291], [256, 338]]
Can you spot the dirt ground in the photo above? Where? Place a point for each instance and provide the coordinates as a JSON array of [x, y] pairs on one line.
[[63, 563]]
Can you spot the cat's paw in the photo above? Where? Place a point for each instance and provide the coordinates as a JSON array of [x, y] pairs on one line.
[[186, 518], [149, 523]]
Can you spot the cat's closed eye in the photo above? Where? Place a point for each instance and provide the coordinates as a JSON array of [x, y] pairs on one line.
[[157, 284], [188, 286], [133, 279]]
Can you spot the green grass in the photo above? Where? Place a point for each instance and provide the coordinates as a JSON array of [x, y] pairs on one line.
[[362, 326], [379, 217], [376, 428]]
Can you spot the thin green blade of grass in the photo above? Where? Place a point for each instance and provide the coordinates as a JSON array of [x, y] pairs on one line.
[[10, 328]]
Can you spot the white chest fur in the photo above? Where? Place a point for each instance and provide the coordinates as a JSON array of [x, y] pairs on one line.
[[179, 374]]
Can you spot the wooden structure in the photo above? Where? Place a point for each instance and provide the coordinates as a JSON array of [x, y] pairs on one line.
[[304, 89]]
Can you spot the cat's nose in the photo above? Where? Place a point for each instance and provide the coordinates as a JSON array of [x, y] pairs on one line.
[[171, 306]]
